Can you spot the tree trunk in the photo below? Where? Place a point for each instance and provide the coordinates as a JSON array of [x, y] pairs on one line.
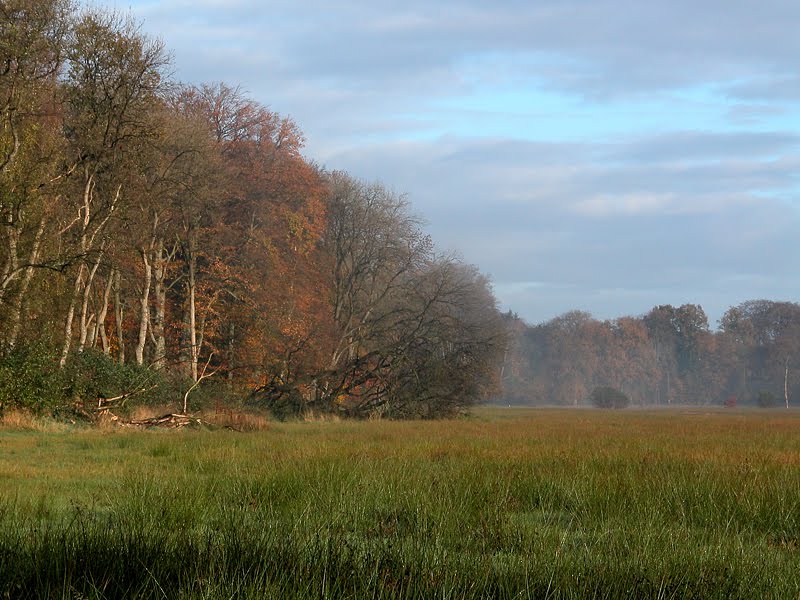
[[160, 294], [231, 350], [144, 313], [786, 382], [194, 350], [118, 314], [71, 316], [100, 326], [10, 269], [19, 302], [86, 320], [189, 344]]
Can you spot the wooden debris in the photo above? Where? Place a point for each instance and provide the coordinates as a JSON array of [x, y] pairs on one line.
[[169, 421], [172, 420]]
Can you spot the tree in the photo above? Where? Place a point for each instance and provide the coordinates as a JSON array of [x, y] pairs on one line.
[[572, 357], [608, 397], [32, 42], [263, 225], [409, 333], [112, 84], [769, 334], [678, 334], [629, 360]]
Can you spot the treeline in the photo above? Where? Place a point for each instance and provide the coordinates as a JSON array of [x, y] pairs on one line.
[[668, 356], [178, 231]]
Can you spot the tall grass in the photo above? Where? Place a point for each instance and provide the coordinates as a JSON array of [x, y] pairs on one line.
[[528, 504]]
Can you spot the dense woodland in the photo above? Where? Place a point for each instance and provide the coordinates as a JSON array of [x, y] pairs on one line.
[[159, 239], [668, 356]]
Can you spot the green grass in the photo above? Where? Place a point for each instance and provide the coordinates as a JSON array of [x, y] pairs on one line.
[[505, 504]]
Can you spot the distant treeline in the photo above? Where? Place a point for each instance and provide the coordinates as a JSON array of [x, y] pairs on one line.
[[668, 356], [178, 233]]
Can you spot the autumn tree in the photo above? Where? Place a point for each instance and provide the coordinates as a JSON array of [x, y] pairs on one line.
[[571, 357], [677, 334], [112, 83], [257, 244], [629, 360], [769, 335], [32, 45], [516, 372]]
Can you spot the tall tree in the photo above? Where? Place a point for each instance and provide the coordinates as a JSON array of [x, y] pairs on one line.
[[410, 333], [112, 85], [32, 42], [770, 331]]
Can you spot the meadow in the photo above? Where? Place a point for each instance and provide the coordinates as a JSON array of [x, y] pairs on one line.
[[505, 503]]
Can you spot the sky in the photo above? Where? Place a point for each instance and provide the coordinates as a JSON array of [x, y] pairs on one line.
[[600, 155]]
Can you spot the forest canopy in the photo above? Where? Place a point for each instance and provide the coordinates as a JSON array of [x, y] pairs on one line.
[[158, 235]]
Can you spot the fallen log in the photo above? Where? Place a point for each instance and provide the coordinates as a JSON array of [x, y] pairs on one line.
[[171, 420]]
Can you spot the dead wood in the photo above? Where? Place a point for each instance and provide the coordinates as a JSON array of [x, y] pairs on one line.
[[171, 420], [168, 421]]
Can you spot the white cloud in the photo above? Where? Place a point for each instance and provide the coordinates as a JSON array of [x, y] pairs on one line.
[[605, 205]]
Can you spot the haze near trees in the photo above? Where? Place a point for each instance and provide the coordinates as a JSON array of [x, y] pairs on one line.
[[669, 356]]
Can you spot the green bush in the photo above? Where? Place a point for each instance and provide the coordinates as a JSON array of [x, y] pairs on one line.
[[766, 399], [30, 379], [90, 375], [608, 397]]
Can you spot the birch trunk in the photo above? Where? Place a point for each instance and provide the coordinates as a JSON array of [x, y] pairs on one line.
[[71, 316], [786, 382], [100, 326], [19, 302], [194, 350], [160, 297], [86, 319], [118, 314], [144, 313], [11, 268]]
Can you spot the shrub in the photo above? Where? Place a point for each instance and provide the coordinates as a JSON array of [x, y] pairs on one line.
[[29, 379], [608, 397], [766, 399], [90, 374]]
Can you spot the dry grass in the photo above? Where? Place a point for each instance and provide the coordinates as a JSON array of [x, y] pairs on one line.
[[20, 420], [238, 420], [311, 416], [148, 412]]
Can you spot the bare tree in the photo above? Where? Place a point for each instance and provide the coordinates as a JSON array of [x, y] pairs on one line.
[[412, 333]]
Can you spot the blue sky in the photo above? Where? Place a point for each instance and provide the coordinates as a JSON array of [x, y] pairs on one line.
[[604, 155]]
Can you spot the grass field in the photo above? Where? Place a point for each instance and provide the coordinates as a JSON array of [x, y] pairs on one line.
[[504, 504]]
